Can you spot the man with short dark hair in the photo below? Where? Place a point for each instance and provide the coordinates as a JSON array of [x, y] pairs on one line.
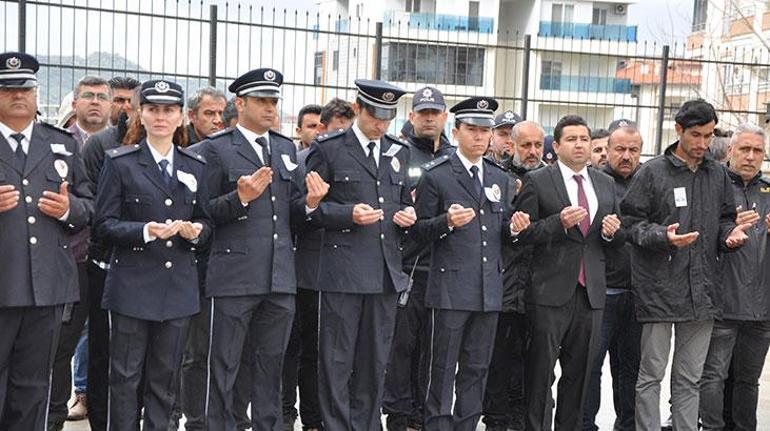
[[336, 115], [230, 114], [680, 211], [620, 331], [122, 90], [91, 103], [599, 138], [204, 112], [574, 223], [742, 336], [407, 364], [308, 124]]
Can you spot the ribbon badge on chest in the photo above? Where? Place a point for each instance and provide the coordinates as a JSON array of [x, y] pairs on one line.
[[61, 168], [493, 193], [188, 180]]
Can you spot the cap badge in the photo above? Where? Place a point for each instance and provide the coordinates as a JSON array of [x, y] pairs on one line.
[[427, 92], [508, 115], [162, 86], [388, 96], [622, 123], [270, 75], [13, 63], [482, 104]]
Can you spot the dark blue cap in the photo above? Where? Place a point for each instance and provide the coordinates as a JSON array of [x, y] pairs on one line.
[[17, 70], [479, 111], [428, 98], [549, 155], [161, 92], [379, 97], [507, 118], [263, 82]]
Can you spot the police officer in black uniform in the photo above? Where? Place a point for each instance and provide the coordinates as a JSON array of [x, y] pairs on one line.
[[152, 209], [44, 198], [250, 279], [463, 205], [359, 278], [407, 365]]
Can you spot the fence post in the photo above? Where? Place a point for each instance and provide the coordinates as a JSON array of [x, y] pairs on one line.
[[662, 100], [22, 25], [525, 76], [378, 51], [213, 45]]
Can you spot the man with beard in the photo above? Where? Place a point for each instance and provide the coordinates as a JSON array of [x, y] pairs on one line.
[[620, 333], [504, 398], [204, 111], [406, 372], [599, 139]]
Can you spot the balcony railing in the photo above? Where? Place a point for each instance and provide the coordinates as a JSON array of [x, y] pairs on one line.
[[591, 84], [623, 33], [435, 21]]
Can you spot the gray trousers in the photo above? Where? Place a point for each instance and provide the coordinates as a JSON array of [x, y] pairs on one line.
[[691, 345]]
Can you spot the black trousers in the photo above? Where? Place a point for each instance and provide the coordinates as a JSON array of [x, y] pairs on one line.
[[461, 348], [407, 371], [300, 364], [504, 398], [268, 319], [192, 393], [143, 350], [61, 379], [28, 340], [354, 337], [243, 384], [570, 334], [98, 350]]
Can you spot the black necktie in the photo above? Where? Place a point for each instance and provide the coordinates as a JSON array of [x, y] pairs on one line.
[[476, 180], [265, 151], [21, 156], [164, 172], [370, 157]]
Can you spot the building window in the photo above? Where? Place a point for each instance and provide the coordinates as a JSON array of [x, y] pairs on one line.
[[335, 60], [562, 12], [443, 65], [699, 15], [550, 77], [599, 17], [412, 6], [318, 68]]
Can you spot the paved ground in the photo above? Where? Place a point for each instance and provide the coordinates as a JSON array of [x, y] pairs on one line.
[[606, 414]]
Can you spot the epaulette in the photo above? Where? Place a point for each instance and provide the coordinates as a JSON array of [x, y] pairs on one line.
[[435, 162], [55, 128], [326, 136], [495, 164], [396, 140], [273, 132], [192, 154], [123, 150], [220, 133]]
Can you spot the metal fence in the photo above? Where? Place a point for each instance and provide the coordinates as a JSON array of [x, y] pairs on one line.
[[600, 72]]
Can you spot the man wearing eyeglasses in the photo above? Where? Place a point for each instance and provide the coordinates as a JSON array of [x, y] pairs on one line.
[[91, 103]]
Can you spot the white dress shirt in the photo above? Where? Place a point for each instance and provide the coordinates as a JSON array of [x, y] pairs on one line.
[[170, 169], [364, 141], [27, 132], [467, 163], [572, 188], [252, 138]]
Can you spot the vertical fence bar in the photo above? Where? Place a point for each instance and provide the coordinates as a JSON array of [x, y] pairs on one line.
[[378, 51], [661, 100], [213, 45], [22, 25], [525, 76]]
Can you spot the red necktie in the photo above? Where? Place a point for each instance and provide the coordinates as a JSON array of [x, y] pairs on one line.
[[584, 224]]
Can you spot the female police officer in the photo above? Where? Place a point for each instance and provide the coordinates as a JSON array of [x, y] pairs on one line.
[[152, 208]]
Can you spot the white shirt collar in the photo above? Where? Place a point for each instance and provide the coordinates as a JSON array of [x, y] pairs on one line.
[[363, 140], [567, 173], [27, 132], [252, 138], [467, 163], [158, 157]]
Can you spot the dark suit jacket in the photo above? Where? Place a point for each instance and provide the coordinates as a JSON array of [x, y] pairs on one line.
[[156, 280], [557, 253], [465, 263], [354, 258], [309, 240], [41, 271], [252, 250]]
